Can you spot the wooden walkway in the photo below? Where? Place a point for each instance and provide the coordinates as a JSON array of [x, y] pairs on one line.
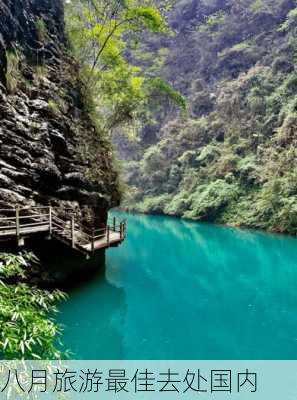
[[24, 222]]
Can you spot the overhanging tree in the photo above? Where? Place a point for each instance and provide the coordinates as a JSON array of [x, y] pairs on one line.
[[101, 33]]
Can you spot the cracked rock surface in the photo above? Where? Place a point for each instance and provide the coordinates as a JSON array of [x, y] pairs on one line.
[[46, 135]]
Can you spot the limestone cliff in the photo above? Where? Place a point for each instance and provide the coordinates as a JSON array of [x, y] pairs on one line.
[[50, 151]]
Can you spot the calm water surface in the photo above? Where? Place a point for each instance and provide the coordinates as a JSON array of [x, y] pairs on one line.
[[184, 290]]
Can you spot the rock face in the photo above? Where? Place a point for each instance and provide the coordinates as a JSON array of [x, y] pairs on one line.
[[50, 151]]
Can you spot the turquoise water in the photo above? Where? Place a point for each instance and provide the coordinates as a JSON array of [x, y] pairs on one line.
[[184, 290]]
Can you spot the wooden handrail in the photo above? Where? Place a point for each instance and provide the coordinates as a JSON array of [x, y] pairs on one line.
[[93, 241], [50, 221], [59, 226], [33, 224], [108, 235], [21, 217], [72, 232], [26, 220], [7, 218], [54, 217], [8, 227], [23, 208], [17, 221]]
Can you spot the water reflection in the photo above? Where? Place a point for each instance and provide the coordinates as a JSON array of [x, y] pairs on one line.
[[94, 315]]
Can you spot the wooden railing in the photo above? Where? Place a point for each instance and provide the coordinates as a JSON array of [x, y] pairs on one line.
[[68, 228], [15, 218]]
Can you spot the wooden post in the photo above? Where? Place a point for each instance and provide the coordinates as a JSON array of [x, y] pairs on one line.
[[50, 220], [17, 221], [121, 230], [124, 229], [93, 241], [114, 224], [107, 234], [20, 241], [72, 232]]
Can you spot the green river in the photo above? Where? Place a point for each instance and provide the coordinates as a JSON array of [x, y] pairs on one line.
[[184, 290]]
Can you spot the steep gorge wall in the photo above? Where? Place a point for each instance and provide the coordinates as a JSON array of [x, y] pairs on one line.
[[50, 151]]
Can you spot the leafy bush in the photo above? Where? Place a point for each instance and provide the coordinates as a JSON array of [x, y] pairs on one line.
[[13, 73], [41, 29], [248, 170], [213, 21], [179, 204], [290, 22], [209, 201], [208, 154], [27, 328], [153, 205]]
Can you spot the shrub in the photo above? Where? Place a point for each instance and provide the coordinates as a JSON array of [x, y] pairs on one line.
[[41, 29], [209, 200], [54, 107], [291, 84], [13, 74], [27, 328], [208, 154], [153, 205], [179, 204], [247, 168]]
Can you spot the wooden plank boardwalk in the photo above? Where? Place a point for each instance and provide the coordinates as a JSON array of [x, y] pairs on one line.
[[24, 222]]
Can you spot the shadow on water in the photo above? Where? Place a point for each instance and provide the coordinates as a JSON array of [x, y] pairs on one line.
[[60, 266], [183, 290], [91, 327]]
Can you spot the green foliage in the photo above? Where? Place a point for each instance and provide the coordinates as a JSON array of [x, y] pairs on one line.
[[159, 87], [41, 29], [290, 22], [208, 153], [147, 16], [54, 107], [232, 158], [290, 84], [209, 200], [100, 34], [117, 92], [40, 73], [13, 73], [154, 205], [245, 46], [27, 328], [213, 21], [264, 6], [12, 265], [275, 207], [178, 204]]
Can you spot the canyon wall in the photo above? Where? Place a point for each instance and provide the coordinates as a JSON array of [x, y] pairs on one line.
[[50, 151]]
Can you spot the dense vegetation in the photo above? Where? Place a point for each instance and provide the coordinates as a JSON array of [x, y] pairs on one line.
[[28, 330], [232, 158]]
